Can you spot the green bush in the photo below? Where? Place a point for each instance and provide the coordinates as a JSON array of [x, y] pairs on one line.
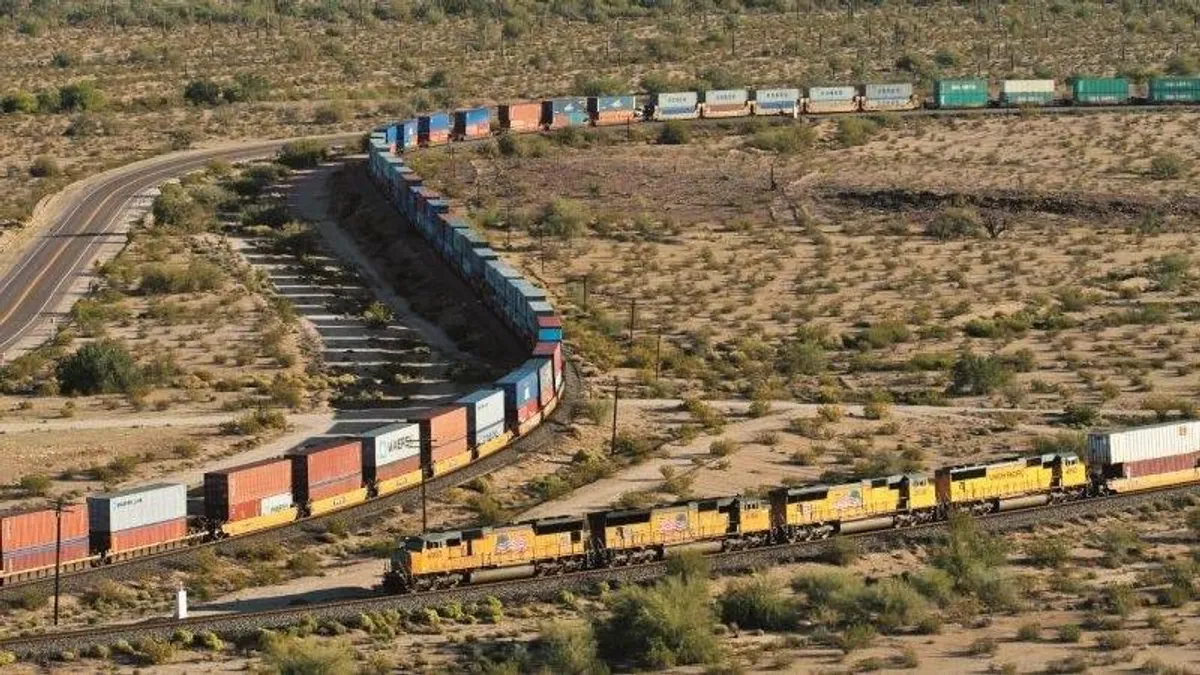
[[80, 97], [569, 649], [978, 375], [786, 140], [852, 131], [289, 655], [667, 625], [758, 602], [303, 154], [674, 132], [1070, 633], [1047, 552], [202, 92], [44, 166], [1166, 166], [104, 367], [20, 102], [35, 484], [378, 315]]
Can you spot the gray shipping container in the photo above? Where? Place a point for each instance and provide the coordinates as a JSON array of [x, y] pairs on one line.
[[832, 93], [1142, 443], [391, 443], [902, 90], [726, 96], [137, 507], [675, 99]]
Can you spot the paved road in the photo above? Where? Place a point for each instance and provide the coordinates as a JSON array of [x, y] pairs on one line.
[[38, 281]]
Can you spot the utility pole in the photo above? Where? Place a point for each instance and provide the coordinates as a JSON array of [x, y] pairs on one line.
[[616, 402], [58, 509], [658, 353], [632, 314]]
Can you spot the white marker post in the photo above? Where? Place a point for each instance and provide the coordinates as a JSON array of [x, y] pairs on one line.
[[181, 603]]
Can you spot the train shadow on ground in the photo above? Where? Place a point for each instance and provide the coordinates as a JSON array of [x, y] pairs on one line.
[[290, 600]]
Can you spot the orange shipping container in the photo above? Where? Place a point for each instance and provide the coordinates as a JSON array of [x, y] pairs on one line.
[[443, 433], [140, 537], [44, 556], [521, 116], [28, 529], [245, 483]]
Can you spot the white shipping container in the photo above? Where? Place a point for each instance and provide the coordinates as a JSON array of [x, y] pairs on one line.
[[391, 443], [488, 407], [832, 93], [726, 96], [1027, 86], [1142, 443], [899, 90], [275, 503], [676, 99], [138, 507], [784, 95]]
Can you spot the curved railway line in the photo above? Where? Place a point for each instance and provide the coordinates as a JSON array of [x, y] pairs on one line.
[[243, 623], [410, 498]]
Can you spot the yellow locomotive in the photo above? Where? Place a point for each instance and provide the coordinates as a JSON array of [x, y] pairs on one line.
[[1012, 482], [819, 511]]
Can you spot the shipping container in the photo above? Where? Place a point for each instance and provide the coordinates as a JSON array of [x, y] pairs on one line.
[[485, 415], [226, 488], [1141, 443], [554, 352], [433, 129], [607, 110], [1151, 467], [406, 139], [33, 528], [137, 507], [777, 101], [275, 503], [1174, 90], [570, 111], [676, 105], [1100, 91], [143, 536], [388, 444], [550, 329], [443, 432], [831, 94], [1027, 92], [546, 388], [44, 556], [401, 467], [326, 468], [888, 96], [726, 103], [472, 123], [390, 135], [520, 117], [520, 390], [971, 93], [254, 524]]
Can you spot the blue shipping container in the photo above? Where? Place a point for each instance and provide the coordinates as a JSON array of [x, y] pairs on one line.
[[407, 137], [520, 387]]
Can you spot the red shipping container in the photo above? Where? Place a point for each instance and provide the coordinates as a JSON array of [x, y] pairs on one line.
[[553, 351], [333, 488], [329, 461], [528, 410], [244, 510], [398, 468], [521, 116], [443, 432], [140, 537], [246, 483], [27, 529], [1158, 465], [43, 556]]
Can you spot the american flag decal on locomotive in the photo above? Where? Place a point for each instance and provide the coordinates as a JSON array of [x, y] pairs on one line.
[[671, 525], [507, 544], [852, 499]]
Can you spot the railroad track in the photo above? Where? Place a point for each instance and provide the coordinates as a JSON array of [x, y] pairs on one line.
[[240, 624], [544, 436]]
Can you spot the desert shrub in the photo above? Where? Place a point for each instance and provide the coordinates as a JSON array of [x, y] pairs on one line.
[[978, 375], [568, 648], [309, 655], [35, 484], [1080, 415], [174, 208], [758, 602], [563, 218], [972, 558], [1029, 632], [377, 315], [843, 551], [688, 565], [80, 97], [1047, 552], [104, 367], [302, 154], [668, 624], [44, 166], [202, 92], [1166, 166], [19, 102], [952, 223], [785, 140], [1070, 633], [154, 651], [852, 131], [1113, 641], [858, 636], [674, 132]]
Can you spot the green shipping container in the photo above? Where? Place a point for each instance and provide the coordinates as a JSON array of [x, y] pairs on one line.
[[1175, 90], [961, 93], [1100, 90]]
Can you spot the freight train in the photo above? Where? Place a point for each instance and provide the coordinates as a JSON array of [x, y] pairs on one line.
[[327, 474], [1123, 461], [950, 94]]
